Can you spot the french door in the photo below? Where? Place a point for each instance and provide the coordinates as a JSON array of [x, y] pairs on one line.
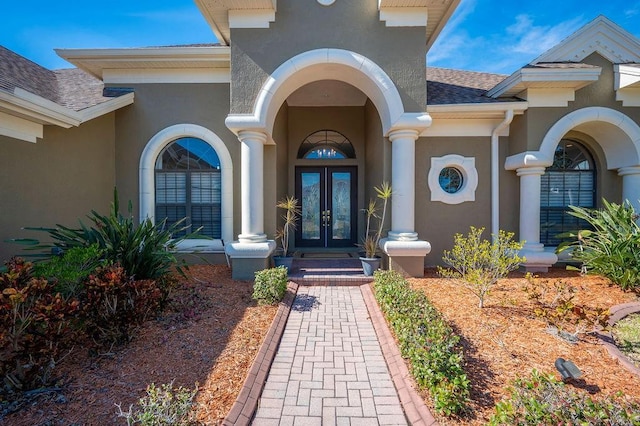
[[329, 206]]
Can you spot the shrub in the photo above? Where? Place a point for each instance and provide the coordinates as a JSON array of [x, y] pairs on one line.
[[115, 304], [426, 340], [35, 327], [270, 285], [161, 406], [70, 269], [145, 251], [542, 400], [479, 264], [612, 247]]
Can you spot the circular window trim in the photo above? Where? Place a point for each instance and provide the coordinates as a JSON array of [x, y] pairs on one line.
[[466, 166], [326, 2]]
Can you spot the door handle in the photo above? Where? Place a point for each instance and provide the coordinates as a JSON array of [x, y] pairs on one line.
[[326, 217]]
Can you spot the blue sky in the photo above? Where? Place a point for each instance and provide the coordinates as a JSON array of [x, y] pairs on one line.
[[483, 35]]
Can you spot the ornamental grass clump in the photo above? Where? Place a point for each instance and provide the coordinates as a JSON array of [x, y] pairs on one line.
[[426, 340], [478, 264], [611, 247], [162, 406]]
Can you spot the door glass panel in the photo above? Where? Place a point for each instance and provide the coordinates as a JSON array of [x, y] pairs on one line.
[[310, 206], [341, 205]]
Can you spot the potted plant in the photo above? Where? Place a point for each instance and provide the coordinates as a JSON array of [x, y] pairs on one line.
[[372, 236], [291, 214]]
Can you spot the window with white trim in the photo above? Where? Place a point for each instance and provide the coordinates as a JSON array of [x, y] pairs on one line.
[[453, 179], [569, 181], [188, 184]]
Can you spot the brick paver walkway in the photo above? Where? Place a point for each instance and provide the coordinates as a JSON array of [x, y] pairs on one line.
[[329, 368]]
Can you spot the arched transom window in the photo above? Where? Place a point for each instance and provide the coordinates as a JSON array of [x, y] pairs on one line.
[[188, 184], [326, 144], [569, 181]]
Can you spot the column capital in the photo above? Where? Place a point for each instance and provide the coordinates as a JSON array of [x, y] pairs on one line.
[[403, 134], [526, 171], [631, 170], [247, 135]]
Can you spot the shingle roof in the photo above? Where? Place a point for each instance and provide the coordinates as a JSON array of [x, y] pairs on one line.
[[71, 88], [447, 86]]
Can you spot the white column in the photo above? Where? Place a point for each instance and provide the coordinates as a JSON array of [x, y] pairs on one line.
[[631, 185], [537, 260], [252, 194], [403, 144]]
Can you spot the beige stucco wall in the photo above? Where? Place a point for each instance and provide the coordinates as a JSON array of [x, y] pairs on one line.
[[57, 180], [306, 25], [436, 222], [158, 106]]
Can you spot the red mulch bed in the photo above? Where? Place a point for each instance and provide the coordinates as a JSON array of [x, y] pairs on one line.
[[209, 335], [506, 338]]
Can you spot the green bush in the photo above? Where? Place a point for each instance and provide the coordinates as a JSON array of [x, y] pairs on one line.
[[145, 251], [612, 247], [542, 400], [426, 340], [163, 406], [114, 304], [70, 269], [478, 263], [35, 328], [270, 285]]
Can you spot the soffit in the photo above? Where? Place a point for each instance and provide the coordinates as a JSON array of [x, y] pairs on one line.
[[96, 61]]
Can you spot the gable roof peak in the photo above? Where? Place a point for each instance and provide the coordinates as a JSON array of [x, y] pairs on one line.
[[600, 35]]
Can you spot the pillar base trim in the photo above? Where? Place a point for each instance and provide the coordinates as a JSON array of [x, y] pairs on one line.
[[252, 238], [254, 250], [402, 236], [405, 248], [536, 258]]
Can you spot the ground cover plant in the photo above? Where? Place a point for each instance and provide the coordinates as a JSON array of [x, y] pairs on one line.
[[541, 399], [426, 341]]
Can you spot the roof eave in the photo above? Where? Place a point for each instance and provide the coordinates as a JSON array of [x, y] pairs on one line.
[[476, 110], [530, 77]]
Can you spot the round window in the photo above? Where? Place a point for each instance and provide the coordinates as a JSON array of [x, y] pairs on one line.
[[450, 180]]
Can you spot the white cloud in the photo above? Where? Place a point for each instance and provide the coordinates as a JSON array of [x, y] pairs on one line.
[[453, 38], [524, 37], [632, 11]]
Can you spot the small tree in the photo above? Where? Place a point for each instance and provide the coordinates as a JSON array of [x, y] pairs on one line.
[[478, 263]]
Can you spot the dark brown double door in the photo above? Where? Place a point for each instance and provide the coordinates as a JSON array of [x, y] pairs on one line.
[[329, 206]]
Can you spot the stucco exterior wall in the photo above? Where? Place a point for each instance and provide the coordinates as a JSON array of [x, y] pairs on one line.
[[352, 25], [436, 222], [57, 180], [158, 106]]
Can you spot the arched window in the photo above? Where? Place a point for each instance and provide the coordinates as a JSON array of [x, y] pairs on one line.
[[188, 184], [569, 181], [175, 153], [326, 144]]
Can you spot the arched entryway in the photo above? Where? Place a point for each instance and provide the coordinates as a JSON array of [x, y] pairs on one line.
[[256, 130]]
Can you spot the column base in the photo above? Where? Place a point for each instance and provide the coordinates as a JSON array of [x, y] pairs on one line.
[[406, 257], [249, 258], [536, 258]]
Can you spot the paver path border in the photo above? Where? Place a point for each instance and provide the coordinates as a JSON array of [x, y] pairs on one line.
[[618, 312]]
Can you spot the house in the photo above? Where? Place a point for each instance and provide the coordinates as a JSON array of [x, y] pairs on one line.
[[283, 105]]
